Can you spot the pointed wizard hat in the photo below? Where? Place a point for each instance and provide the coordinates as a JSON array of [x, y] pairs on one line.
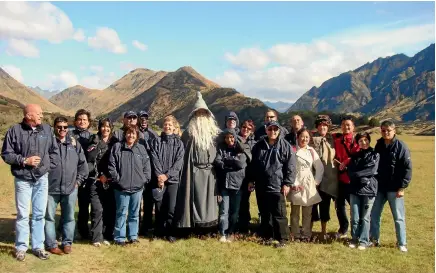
[[200, 104]]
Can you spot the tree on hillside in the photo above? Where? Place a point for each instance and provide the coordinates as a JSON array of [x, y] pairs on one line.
[[373, 122]]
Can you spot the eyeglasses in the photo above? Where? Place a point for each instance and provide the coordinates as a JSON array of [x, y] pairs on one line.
[[270, 117], [62, 127], [245, 127], [131, 117], [273, 129], [386, 130]]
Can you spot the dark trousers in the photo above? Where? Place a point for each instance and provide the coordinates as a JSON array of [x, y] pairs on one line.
[[341, 212], [244, 209], [103, 211], [148, 202], [274, 223], [324, 208], [164, 211], [83, 197]]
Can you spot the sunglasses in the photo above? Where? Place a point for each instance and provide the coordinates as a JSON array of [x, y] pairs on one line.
[[386, 131], [245, 127], [62, 127], [131, 117], [270, 117], [273, 129]]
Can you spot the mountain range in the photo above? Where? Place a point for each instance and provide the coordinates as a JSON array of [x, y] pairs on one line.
[[44, 93], [397, 87], [280, 106]]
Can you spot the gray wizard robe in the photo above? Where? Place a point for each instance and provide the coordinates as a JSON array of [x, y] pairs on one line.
[[196, 204]]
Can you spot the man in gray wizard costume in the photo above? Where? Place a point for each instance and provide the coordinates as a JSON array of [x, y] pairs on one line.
[[196, 205]]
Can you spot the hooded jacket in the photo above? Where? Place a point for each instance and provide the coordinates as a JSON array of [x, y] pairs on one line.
[[362, 171], [230, 163], [234, 116], [167, 152], [22, 141], [395, 167], [129, 167], [71, 170], [272, 166]]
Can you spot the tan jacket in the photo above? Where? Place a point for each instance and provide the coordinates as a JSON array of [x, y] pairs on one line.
[[307, 159]]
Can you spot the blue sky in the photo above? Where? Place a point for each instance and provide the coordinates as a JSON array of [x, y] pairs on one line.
[[273, 51]]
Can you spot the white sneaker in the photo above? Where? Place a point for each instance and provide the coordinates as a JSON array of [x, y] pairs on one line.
[[361, 247], [106, 243], [352, 245], [403, 248], [223, 239]]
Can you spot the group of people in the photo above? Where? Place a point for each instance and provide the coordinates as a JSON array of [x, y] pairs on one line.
[[200, 179]]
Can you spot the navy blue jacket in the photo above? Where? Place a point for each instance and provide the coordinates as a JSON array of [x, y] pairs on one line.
[[167, 154], [362, 171], [22, 141], [261, 132], [395, 167], [272, 166], [71, 170], [129, 168]]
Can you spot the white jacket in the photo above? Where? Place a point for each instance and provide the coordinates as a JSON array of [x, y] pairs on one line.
[[307, 159]]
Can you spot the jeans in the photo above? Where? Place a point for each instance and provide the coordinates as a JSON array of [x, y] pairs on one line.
[[398, 212], [361, 207], [229, 211], [68, 203], [341, 212], [127, 202], [102, 213], [26, 192]]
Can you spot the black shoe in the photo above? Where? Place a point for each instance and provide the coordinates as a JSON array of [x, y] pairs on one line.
[[122, 244], [171, 239], [281, 244], [268, 242], [134, 241]]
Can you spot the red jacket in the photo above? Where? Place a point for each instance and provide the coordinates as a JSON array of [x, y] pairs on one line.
[[345, 146]]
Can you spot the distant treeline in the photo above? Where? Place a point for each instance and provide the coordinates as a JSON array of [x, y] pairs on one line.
[[309, 118]]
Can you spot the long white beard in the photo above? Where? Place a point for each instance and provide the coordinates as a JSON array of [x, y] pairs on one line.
[[203, 129]]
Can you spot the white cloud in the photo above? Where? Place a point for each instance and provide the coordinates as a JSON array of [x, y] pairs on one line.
[[139, 45], [107, 38], [18, 47], [32, 21], [96, 68], [98, 81], [59, 81], [286, 70], [14, 72], [249, 58]]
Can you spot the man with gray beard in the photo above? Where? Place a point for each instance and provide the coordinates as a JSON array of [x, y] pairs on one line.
[[196, 205]]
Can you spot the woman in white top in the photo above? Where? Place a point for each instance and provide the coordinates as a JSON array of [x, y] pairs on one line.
[[304, 194]]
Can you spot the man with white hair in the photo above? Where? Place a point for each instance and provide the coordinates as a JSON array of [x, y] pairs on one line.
[[197, 199]]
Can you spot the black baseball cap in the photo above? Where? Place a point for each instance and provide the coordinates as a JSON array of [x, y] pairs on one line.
[[130, 114], [143, 113]]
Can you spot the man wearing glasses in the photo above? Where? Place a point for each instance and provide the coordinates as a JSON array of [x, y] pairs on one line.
[[394, 175], [270, 115], [63, 184], [130, 118], [30, 148]]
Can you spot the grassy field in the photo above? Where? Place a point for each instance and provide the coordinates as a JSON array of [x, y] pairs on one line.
[[197, 255]]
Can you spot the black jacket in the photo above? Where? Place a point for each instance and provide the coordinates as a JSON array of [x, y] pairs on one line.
[[82, 136], [250, 141], [146, 136], [71, 170], [97, 156], [129, 167], [230, 164], [21, 142], [362, 171], [395, 167], [261, 132], [272, 167], [291, 137], [167, 154]]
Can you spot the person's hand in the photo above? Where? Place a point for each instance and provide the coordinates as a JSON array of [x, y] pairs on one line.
[[342, 167], [162, 178], [285, 190], [250, 186], [33, 161], [103, 179], [316, 183], [219, 198], [400, 193], [161, 184]]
